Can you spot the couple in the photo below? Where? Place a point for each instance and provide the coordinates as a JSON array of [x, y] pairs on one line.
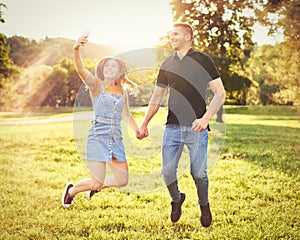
[[186, 73]]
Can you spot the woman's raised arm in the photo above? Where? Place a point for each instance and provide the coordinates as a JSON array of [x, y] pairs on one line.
[[84, 74]]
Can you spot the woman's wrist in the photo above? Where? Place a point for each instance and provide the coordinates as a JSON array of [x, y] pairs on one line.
[[76, 46]]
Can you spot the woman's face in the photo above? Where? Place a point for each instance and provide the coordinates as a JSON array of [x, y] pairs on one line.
[[111, 69]]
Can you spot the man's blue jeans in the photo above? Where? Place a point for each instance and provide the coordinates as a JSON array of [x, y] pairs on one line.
[[175, 137]]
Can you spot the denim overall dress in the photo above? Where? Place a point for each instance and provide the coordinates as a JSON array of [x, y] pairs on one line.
[[105, 137]]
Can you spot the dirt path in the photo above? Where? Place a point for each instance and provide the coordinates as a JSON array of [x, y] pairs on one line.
[[78, 116]]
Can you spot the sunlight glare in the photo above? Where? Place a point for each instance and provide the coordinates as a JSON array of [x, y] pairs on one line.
[[30, 83], [140, 25]]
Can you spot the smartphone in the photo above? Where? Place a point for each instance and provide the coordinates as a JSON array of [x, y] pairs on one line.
[[86, 34]]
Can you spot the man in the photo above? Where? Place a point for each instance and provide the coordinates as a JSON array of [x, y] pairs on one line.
[[186, 73]]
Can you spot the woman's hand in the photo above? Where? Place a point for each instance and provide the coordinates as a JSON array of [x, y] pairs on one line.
[[81, 41]]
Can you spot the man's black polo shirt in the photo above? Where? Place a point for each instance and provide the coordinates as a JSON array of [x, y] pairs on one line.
[[187, 80]]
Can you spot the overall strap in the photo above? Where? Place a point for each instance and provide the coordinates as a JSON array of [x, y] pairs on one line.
[[102, 87], [124, 92]]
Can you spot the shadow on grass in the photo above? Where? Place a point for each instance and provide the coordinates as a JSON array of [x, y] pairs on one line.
[[269, 146]]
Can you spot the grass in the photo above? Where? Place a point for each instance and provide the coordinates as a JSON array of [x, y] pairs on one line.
[[254, 187]]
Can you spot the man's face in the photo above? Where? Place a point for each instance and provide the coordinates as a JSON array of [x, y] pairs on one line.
[[178, 38]]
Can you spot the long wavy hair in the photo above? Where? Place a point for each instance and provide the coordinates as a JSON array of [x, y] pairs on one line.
[[122, 78]]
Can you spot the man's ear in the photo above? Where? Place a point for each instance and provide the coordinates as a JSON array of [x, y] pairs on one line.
[[187, 37]]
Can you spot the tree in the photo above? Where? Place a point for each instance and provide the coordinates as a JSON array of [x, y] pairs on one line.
[[56, 87], [73, 81], [259, 72], [7, 68], [2, 5], [282, 14], [24, 52], [5, 61], [287, 63], [24, 90], [6, 64], [276, 70]]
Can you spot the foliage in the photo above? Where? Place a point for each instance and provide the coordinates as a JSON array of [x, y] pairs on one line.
[[254, 187], [46, 78], [8, 71], [23, 50], [48, 74], [276, 70], [282, 14], [22, 91], [223, 29], [145, 78], [7, 68], [2, 5], [291, 22]]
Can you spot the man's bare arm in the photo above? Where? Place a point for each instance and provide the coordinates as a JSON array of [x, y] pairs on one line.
[[153, 107], [218, 100]]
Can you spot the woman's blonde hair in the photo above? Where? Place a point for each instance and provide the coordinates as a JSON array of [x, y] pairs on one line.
[[122, 77]]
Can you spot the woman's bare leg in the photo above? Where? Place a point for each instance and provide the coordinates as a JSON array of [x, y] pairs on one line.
[[97, 171], [119, 177]]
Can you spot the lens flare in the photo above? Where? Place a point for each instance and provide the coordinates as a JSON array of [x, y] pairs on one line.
[[32, 88]]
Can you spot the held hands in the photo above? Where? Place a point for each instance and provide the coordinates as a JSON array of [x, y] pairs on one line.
[[81, 41], [142, 132]]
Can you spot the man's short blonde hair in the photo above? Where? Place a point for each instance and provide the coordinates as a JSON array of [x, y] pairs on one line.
[[187, 27]]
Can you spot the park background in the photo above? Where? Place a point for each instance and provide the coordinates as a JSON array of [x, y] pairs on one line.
[[254, 187]]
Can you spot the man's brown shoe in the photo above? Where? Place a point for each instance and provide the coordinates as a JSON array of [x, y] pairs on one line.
[[206, 217], [176, 208]]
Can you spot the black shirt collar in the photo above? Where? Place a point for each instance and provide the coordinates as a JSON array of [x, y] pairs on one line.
[[190, 52]]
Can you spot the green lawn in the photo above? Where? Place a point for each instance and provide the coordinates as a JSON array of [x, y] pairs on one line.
[[254, 186]]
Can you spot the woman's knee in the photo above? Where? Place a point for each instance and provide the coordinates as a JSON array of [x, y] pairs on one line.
[[95, 185], [120, 172], [122, 181]]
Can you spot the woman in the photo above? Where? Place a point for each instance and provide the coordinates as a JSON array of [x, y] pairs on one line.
[[104, 142]]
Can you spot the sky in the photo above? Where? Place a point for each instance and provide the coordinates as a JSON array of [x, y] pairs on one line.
[[129, 23]]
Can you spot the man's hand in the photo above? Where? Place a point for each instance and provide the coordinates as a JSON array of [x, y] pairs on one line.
[[200, 124]]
